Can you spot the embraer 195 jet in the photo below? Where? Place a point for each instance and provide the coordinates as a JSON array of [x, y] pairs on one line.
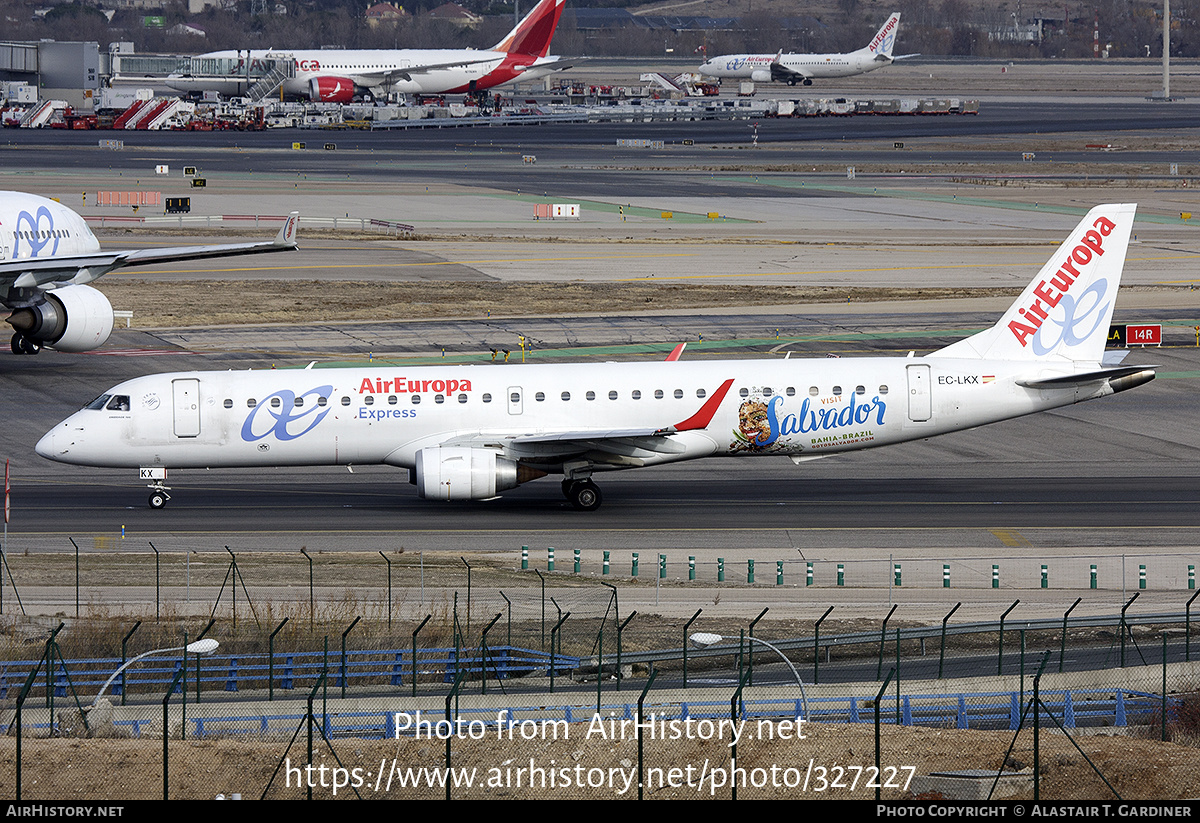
[[338, 75], [48, 255], [471, 432], [802, 68]]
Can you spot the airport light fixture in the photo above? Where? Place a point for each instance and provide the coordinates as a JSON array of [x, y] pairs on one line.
[[703, 640]]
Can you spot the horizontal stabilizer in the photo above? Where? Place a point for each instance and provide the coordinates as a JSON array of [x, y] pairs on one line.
[[1069, 380]]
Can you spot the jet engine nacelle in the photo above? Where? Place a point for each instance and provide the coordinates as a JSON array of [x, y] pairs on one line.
[[331, 89], [463, 473], [73, 318], [760, 76]]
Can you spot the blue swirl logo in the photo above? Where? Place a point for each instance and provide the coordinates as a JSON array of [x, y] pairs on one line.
[[1075, 313], [286, 417], [38, 237]]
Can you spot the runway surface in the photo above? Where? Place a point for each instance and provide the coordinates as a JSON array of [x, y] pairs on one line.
[[1114, 481]]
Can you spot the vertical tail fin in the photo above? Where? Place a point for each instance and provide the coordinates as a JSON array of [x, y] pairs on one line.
[[535, 31], [1064, 313], [883, 41]]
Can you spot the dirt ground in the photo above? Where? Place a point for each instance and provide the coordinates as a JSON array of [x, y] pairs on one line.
[[1102, 768], [191, 303]]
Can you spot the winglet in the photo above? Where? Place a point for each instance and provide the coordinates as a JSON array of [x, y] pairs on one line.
[[676, 353], [702, 418], [287, 235]]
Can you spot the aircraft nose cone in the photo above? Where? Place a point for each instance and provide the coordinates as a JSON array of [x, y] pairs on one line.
[[45, 446]]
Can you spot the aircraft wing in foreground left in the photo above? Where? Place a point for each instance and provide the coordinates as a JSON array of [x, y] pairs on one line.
[[48, 255]]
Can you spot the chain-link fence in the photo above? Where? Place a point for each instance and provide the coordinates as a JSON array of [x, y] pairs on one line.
[[509, 693]]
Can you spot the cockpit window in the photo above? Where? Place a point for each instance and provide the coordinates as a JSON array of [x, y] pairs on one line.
[[119, 402], [99, 403]]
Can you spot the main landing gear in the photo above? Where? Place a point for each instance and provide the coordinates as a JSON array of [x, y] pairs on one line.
[[583, 494], [23, 345]]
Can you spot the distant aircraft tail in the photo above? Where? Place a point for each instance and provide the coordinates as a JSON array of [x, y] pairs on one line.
[[533, 34], [883, 41], [1065, 312]]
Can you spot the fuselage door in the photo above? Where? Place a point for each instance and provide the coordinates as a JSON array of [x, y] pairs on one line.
[[186, 394], [514, 400], [920, 403]]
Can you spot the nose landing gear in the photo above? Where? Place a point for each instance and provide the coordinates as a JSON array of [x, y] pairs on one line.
[[158, 489]]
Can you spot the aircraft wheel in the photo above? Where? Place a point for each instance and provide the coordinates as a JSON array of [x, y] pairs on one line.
[[158, 500], [23, 345], [807, 82], [585, 496], [791, 81]]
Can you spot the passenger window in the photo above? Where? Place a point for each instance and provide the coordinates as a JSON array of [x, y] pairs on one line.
[[679, 394], [860, 389], [346, 401], [744, 392], [540, 396], [299, 402], [590, 395], [416, 399], [700, 392], [462, 398], [566, 395], [437, 398], [513, 398], [837, 390], [228, 403], [487, 398], [391, 399], [813, 391], [767, 392], [251, 403], [275, 402], [322, 401], [369, 400], [791, 391], [635, 394], [612, 395], [658, 394], [883, 389]]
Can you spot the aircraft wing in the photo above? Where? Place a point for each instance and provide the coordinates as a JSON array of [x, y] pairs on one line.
[[618, 446], [782, 73], [391, 76], [84, 268]]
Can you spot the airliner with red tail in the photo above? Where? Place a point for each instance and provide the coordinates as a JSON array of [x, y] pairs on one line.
[[472, 432], [341, 75]]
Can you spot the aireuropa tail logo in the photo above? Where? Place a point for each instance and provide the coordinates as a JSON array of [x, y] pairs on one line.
[[287, 416], [1079, 306], [37, 232], [885, 37]]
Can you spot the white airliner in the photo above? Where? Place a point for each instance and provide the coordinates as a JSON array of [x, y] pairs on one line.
[[337, 76], [802, 68], [48, 255], [471, 432]]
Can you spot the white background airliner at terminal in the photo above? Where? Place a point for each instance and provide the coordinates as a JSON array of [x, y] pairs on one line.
[[339, 75], [802, 68], [471, 432], [48, 255]]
